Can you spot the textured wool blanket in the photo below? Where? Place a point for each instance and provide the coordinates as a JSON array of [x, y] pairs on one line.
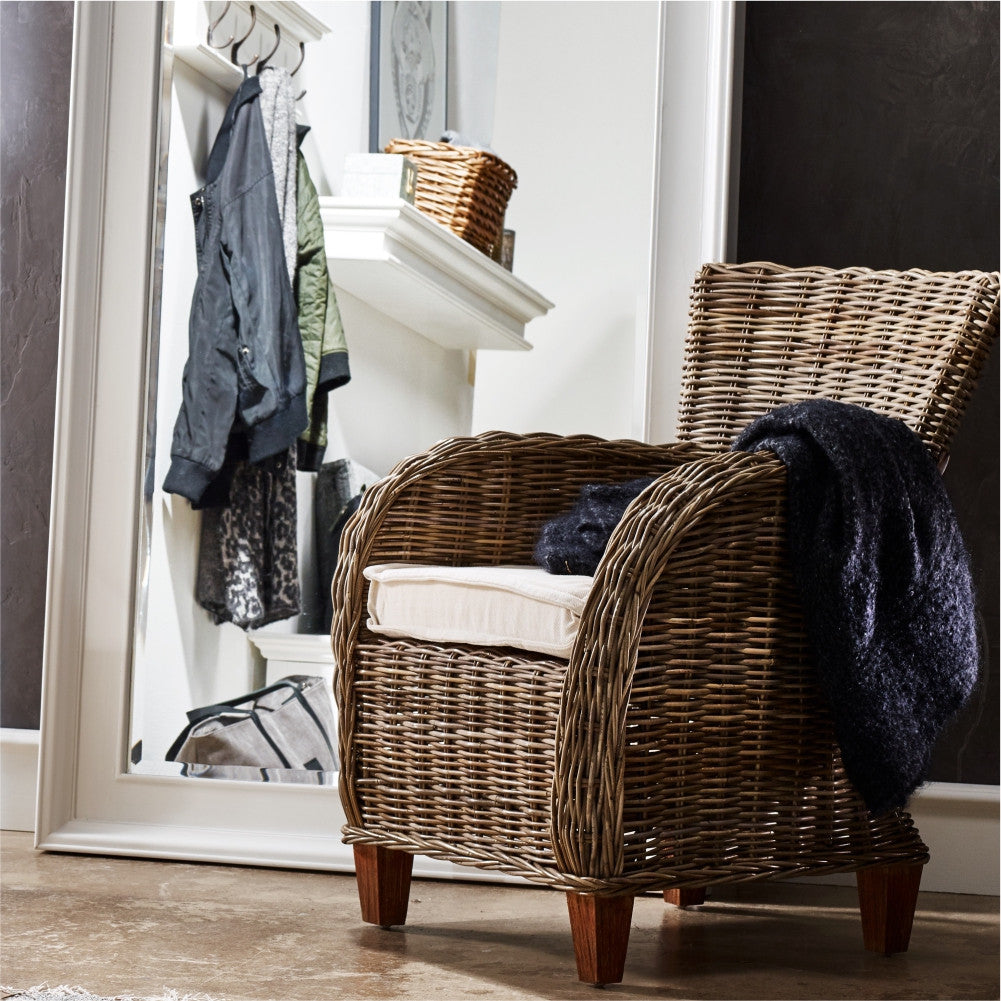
[[573, 542], [885, 584], [883, 576]]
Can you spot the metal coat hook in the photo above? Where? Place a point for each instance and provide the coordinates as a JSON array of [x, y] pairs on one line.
[[278, 41], [298, 66], [233, 55], [215, 24]]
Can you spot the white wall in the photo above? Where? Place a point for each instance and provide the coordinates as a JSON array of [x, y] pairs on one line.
[[575, 116], [473, 39], [335, 78]]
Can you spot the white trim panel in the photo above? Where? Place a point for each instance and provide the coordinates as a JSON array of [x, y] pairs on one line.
[[228, 847], [958, 821], [959, 824], [18, 779], [696, 82]]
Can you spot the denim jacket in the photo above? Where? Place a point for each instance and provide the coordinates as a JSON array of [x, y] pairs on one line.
[[244, 384]]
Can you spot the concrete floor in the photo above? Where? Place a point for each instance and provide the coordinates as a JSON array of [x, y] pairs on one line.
[[120, 926]]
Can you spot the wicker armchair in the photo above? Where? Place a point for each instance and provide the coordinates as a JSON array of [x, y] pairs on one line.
[[684, 742]]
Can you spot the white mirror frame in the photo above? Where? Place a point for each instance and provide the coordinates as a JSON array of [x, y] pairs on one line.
[[88, 800]]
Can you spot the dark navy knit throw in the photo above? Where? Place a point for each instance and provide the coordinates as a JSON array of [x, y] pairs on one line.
[[572, 543], [885, 584]]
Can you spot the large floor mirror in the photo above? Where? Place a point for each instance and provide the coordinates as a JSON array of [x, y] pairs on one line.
[[128, 648], [127, 654]]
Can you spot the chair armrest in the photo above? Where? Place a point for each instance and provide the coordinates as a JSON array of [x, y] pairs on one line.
[[479, 500], [684, 595]]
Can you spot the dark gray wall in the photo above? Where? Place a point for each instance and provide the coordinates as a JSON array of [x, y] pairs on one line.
[[35, 52], [869, 136]]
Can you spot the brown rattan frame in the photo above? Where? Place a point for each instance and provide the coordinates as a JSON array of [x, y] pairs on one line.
[[684, 743]]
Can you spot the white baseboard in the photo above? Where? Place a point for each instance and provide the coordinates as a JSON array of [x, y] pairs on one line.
[[18, 778], [958, 822]]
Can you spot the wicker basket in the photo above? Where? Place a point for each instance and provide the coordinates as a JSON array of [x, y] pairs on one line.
[[463, 188]]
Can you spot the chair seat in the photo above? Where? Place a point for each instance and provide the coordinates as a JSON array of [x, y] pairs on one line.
[[512, 606]]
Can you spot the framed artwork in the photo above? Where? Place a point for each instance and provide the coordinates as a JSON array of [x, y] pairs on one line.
[[408, 73]]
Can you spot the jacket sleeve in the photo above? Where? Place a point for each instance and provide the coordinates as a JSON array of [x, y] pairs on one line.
[[310, 276], [320, 326], [210, 385], [265, 314], [334, 369]]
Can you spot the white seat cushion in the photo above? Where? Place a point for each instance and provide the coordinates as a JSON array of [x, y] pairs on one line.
[[519, 606]]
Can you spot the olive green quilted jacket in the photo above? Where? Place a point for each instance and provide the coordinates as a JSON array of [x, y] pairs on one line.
[[323, 344]]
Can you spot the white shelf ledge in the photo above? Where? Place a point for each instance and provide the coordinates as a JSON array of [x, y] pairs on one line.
[[414, 270], [309, 648], [296, 653]]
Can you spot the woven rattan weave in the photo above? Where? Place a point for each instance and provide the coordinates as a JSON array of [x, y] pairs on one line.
[[684, 743], [909, 344], [463, 188]]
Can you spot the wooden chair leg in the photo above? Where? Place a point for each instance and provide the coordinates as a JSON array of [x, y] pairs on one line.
[[888, 895], [383, 877], [688, 896], [600, 929]]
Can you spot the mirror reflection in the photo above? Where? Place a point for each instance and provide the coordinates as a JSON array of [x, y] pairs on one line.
[[232, 670], [246, 488]]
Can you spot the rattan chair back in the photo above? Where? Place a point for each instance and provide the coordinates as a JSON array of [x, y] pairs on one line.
[[909, 344]]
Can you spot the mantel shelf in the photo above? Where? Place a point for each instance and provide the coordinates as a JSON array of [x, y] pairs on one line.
[[412, 269]]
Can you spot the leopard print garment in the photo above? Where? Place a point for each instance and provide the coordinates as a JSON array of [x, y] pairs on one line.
[[248, 563]]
